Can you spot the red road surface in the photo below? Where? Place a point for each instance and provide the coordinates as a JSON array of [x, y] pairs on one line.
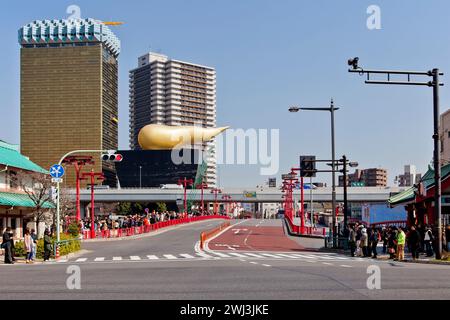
[[252, 238]]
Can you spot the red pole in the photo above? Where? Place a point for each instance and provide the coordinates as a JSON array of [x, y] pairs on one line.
[[202, 185], [302, 213], [78, 211], [92, 206], [185, 196]]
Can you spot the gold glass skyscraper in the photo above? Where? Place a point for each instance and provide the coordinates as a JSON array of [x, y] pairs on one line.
[[69, 91]]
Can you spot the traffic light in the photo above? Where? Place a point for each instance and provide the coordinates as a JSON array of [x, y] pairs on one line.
[[114, 157], [307, 166]]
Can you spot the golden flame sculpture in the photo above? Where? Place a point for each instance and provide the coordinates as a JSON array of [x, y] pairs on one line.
[[162, 137]]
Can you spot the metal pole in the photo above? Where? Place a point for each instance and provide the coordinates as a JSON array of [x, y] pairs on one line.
[[302, 212], [140, 177], [437, 164], [344, 158], [333, 186], [57, 214]]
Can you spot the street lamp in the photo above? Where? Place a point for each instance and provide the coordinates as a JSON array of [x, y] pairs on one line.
[[330, 109], [435, 84]]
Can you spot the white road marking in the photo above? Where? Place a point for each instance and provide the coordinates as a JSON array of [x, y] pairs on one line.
[[170, 256], [117, 258], [266, 265], [254, 255], [238, 255], [187, 256], [303, 256], [152, 257], [253, 262], [287, 256], [99, 259], [135, 258], [271, 255], [327, 263], [345, 266], [81, 260], [61, 260], [220, 254], [204, 255]]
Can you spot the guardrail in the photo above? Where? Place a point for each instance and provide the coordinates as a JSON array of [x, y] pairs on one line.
[[205, 235], [311, 231], [126, 232]]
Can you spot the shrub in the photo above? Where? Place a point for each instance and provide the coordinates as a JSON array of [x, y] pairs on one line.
[[74, 229]]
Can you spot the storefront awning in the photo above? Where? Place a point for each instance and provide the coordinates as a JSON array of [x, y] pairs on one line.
[[19, 200]]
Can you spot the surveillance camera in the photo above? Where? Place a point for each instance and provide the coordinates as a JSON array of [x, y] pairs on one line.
[[353, 63]]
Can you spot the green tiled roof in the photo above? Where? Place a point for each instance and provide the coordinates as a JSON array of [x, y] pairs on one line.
[[11, 157], [428, 182], [402, 197], [19, 200]]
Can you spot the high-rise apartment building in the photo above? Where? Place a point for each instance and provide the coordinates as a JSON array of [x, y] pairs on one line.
[[69, 91], [409, 177], [175, 93], [373, 177]]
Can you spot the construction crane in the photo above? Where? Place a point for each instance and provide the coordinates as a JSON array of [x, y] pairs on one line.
[[112, 23]]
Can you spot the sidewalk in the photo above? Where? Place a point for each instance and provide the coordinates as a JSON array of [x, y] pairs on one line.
[[408, 259], [22, 261]]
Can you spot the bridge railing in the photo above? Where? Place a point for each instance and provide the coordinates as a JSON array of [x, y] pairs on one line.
[[126, 232], [311, 231]]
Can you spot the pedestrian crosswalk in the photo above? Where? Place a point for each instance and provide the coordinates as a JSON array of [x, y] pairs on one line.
[[214, 255]]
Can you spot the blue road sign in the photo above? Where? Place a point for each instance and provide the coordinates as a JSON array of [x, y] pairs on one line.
[[56, 171]]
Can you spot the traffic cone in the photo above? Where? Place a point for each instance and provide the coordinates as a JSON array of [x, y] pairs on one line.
[[57, 252]]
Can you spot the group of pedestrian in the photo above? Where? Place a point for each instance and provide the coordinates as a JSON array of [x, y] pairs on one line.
[[363, 242], [30, 245], [395, 239]]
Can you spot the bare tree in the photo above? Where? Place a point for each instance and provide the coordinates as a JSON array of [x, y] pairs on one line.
[[37, 186]]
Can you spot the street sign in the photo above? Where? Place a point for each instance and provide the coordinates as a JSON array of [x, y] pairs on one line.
[[288, 176], [358, 184], [57, 171], [57, 180]]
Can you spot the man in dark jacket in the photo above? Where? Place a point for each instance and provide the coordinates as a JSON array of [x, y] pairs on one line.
[[352, 240], [6, 245], [47, 245], [374, 237], [414, 242]]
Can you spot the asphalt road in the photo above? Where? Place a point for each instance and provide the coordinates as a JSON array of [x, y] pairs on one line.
[[308, 275]]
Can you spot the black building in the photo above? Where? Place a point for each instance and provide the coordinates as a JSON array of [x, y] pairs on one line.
[[152, 168]]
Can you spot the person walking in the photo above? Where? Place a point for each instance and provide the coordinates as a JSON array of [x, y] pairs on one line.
[[47, 245], [34, 244], [428, 240], [385, 238], [352, 240], [364, 242], [375, 237], [447, 237], [401, 239], [27, 242], [414, 242], [6, 245]]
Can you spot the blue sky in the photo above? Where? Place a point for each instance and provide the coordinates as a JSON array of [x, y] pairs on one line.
[[272, 54]]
